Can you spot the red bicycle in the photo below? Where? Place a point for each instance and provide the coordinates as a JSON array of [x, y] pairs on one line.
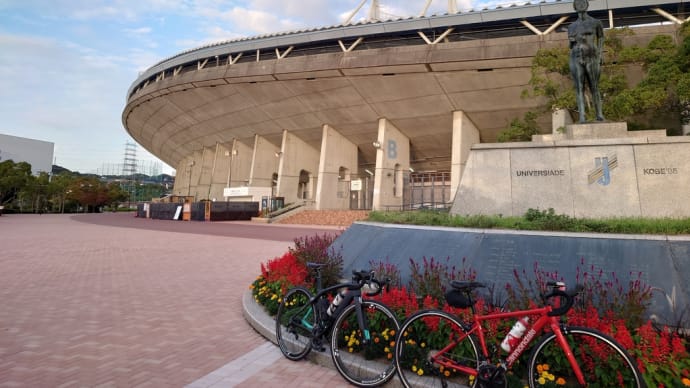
[[437, 349]]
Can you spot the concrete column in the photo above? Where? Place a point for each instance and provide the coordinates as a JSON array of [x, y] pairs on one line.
[[392, 161], [465, 134], [241, 163], [296, 156], [196, 167], [231, 161], [215, 188], [332, 189], [265, 159], [183, 175], [203, 180]]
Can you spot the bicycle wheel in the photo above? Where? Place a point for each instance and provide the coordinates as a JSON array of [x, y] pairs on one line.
[[294, 322], [604, 362], [362, 362], [428, 348]]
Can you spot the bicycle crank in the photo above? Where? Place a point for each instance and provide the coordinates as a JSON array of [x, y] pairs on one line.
[[491, 376]]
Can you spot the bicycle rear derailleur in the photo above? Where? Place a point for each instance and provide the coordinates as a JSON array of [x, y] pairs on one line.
[[491, 376]]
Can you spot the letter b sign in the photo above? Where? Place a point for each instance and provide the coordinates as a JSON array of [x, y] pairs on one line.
[[392, 148]]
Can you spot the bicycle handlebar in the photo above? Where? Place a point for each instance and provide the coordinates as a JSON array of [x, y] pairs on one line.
[[362, 278], [559, 291]]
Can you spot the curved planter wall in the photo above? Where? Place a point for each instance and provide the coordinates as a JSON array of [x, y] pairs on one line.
[[662, 262]]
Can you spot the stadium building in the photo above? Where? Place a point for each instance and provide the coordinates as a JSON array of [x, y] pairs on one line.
[[371, 115]]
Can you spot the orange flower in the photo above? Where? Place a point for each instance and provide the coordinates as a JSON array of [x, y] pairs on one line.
[[560, 381], [686, 381]]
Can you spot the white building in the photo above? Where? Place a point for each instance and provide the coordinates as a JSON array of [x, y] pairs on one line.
[[38, 153]]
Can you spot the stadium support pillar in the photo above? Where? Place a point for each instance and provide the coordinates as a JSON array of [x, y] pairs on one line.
[[297, 159], [183, 177], [264, 164], [193, 167], [208, 166], [465, 135], [233, 166], [392, 161], [337, 167]]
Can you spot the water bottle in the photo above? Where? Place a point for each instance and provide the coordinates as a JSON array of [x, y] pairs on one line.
[[513, 337], [336, 301]]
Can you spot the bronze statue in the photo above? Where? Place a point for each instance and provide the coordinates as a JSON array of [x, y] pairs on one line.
[[586, 36]]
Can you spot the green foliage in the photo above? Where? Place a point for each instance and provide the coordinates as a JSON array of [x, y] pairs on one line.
[[664, 88], [542, 220], [430, 277], [14, 177], [317, 249], [66, 191], [520, 130]]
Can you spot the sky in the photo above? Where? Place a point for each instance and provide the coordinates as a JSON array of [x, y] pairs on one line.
[[66, 65]]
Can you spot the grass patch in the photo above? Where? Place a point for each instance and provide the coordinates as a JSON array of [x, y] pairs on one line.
[[534, 219]]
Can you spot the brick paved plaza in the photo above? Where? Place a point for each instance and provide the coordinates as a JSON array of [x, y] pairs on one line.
[[110, 300]]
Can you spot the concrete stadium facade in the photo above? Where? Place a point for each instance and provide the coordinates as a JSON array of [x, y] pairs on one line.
[[339, 117]]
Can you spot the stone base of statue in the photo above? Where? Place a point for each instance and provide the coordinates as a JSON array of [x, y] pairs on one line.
[[592, 170]]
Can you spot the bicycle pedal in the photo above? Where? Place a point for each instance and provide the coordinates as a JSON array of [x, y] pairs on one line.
[[318, 346]]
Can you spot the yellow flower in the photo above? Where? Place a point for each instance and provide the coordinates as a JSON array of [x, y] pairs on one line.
[[550, 377], [414, 368], [386, 349], [541, 381], [350, 350], [420, 371], [422, 344], [560, 381]]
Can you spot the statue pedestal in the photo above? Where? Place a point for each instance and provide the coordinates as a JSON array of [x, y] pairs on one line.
[[597, 130], [592, 170], [600, 130]]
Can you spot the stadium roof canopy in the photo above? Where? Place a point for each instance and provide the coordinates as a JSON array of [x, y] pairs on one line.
[[349, 76]]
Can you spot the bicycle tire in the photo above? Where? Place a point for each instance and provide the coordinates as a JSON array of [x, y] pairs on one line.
[[365, 363], [295, 337], [425, 333], [595, 352]]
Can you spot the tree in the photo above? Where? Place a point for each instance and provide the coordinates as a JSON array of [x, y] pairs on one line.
[[116, 194], [89, 192], [664, 88], [14, 177]]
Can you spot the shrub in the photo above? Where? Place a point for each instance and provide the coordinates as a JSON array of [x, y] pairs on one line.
[[431, 278], [386, 270], [317, 249]]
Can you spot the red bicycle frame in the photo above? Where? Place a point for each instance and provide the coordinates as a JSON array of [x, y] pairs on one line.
[[544, 320]]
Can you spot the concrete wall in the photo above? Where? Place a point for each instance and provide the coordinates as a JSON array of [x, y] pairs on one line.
[[296, 155], [637, 176], [38, 153], [662, 262], [336, 152], [264, 163]]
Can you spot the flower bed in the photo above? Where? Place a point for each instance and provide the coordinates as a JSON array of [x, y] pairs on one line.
[[605, 304]]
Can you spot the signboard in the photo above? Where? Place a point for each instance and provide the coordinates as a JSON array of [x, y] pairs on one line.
[[356, 185], [236, 191]]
